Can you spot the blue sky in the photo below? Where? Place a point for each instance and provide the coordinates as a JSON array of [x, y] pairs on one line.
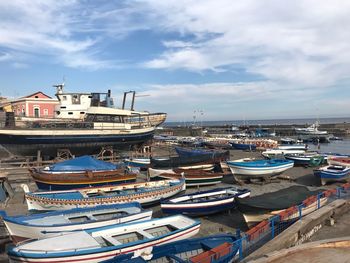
[[232, 60]]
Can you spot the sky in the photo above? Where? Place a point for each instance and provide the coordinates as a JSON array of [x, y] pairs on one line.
[[208, 59]]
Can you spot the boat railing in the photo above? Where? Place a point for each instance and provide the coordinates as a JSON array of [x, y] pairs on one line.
[[72, 125]]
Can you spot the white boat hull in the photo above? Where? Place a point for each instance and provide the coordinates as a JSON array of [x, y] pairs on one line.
[[140, 248], [258, 172], [337, 163], [19, 232]]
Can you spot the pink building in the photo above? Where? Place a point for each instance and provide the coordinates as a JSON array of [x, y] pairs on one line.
[[38, 105]]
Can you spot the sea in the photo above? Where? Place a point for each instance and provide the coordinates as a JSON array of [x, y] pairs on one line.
[[261, 122], [341, 146]]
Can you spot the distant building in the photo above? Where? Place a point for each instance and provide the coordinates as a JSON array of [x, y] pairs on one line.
[[5, 104], [38, 105]]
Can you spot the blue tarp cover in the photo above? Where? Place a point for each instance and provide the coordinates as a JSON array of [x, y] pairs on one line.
[[83, 163]]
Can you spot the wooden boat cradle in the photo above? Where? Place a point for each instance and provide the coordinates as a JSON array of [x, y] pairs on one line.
[[96, 201]]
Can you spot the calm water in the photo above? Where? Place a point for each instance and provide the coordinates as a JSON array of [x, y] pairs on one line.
[[342, 147], [262, 122]]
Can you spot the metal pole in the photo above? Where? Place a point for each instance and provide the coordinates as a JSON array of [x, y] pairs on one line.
[[133, 99], [124, 98]]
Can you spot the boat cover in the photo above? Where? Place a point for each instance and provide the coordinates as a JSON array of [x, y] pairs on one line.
[[185, 152], [279, 200], [83, 163]]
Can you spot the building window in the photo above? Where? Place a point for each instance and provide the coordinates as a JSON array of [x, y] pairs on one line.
[[46, 112], [36, 112]]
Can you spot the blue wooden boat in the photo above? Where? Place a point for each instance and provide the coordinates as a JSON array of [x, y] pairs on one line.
[[83, 171], [203, 203], [332, 173], [250, 168], [98, 244], [43, 225], [243, 146], [219, 249]]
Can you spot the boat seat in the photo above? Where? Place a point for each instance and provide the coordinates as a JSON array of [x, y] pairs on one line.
[[159, 231], [101, 241], [128, 237], [112, 240], [145, 234]]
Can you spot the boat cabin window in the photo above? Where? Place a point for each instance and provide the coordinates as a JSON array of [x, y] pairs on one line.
[[70, 113], [103, 118], [76, 99], [95, 100], [64, 97]]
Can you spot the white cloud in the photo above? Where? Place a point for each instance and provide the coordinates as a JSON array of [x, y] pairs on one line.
[[5, 57], [297, 49], [19, 65], [300, 42], [227, 101], [48, 28]]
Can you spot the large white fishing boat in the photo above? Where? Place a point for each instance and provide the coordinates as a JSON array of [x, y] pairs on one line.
[[83, 123], [311, 130]]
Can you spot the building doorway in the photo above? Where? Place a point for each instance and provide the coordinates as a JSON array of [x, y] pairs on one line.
[[36, 113]]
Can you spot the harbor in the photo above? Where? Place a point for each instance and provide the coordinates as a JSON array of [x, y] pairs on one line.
[[174, 131], [229, 220]]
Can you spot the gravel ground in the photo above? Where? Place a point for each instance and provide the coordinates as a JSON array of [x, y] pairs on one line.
[[232, 220]]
